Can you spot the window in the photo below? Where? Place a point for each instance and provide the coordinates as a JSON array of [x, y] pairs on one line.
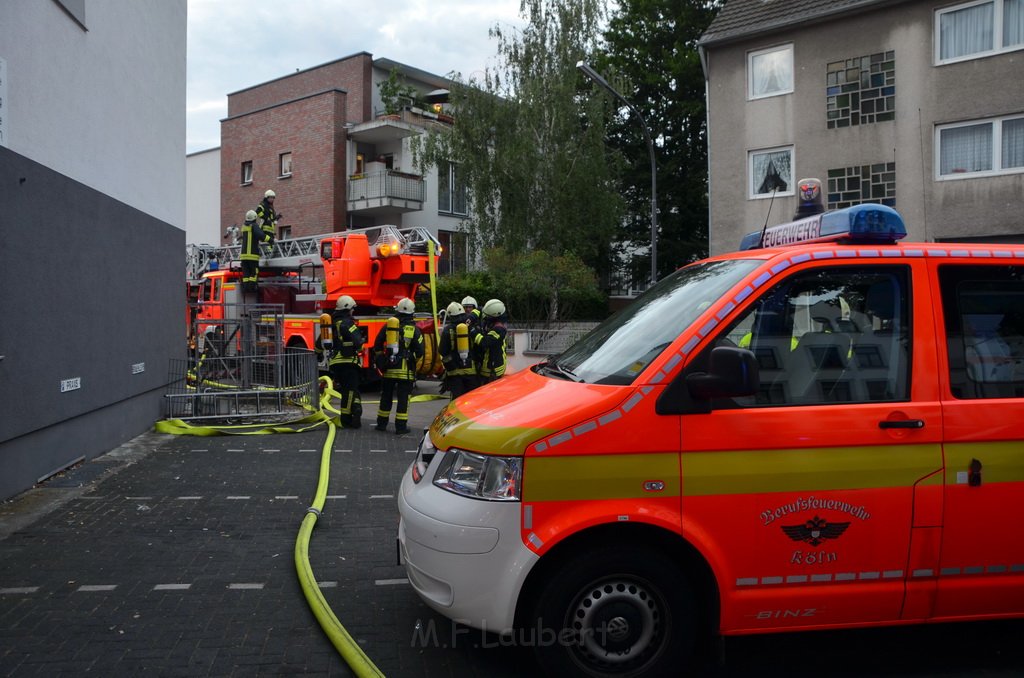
[[983, 147], [247, 172], [978, 29], [451, 190], [284, 232], [984, 317], [770, 72], [771, 172], [454, 252], [835, 335], [285, 165], [861, 90]]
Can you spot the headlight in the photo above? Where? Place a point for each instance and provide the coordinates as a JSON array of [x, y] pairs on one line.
[[480, 476]]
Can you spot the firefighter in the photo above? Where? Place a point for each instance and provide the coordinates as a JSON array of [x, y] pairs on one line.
[[456, 341], [344, 361], [397, 349], [250, 256], [267, 216], [472, 312], [490, 342]]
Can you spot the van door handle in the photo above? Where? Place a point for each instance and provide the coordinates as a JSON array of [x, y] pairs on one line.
[[901, 423]]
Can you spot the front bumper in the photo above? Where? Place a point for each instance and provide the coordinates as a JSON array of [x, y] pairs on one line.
[[464, 556]]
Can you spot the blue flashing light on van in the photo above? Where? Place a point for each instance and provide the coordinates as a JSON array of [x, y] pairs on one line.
[[862, 224]]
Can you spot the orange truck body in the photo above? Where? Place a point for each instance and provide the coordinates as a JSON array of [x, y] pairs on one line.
[[376, 278]]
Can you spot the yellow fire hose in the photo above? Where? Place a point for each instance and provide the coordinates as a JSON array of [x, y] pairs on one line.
[[336, 633]]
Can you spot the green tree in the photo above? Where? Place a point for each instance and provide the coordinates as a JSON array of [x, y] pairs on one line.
[[395, 92], [529, 148], [651, 53]]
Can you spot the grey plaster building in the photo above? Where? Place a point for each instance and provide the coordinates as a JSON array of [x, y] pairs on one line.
[[92, 196], [917, 104]]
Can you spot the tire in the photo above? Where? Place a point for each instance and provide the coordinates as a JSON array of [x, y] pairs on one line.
[[625, 610]]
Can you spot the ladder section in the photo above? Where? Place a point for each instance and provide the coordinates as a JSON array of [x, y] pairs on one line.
[[305, 251]]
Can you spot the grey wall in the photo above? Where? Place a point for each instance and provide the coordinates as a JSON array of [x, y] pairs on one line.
[[91, 286]]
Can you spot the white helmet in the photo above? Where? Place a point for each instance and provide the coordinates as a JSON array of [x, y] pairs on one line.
[[269, 194], [345, 303], [469, 301], [250, 215], [455, 308], [406, 305], [493, 308]]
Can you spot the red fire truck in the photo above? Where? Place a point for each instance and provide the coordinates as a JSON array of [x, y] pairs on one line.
[[303, 277]]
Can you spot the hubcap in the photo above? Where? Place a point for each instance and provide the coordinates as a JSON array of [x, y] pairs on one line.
[[617, 622]]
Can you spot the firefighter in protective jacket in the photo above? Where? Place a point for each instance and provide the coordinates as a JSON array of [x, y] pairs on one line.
[[252, 236], [397, 350], [343, 359], [267, 215], [490, 343], [457, 337]]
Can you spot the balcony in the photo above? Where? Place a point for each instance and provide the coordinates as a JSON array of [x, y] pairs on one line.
[[386, 192]]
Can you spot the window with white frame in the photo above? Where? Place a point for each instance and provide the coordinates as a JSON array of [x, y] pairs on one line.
[[770, 72], [980, 147], [770, 172], [976, 29], [285, 165], [247, 172], [451, 190]]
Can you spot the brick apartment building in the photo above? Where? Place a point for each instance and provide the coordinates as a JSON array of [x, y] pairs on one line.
[[321, 140]]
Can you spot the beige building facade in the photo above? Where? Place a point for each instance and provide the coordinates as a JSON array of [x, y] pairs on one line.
[[915, 104]]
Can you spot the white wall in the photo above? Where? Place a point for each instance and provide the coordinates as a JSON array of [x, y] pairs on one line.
[[202, 198], [75, 105]]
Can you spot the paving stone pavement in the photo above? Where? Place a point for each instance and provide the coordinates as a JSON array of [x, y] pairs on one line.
[[174, 556]]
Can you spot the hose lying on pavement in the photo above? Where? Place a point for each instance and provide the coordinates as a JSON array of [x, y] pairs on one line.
[[336, 633], [342, 641]]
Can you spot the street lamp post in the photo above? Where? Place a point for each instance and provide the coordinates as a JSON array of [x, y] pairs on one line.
[[585, 68]]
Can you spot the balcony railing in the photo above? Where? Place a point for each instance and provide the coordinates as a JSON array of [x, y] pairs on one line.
[[389, 188]]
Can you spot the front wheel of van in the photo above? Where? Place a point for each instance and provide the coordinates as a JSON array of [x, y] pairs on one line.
[[615, 611]]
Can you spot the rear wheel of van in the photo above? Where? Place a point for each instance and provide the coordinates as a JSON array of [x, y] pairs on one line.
[[616, 611]]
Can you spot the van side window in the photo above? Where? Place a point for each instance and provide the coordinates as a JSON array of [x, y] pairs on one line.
[[835, 335], [983, 309]]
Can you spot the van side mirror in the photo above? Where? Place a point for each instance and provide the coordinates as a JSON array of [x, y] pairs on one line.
[[731, 372]]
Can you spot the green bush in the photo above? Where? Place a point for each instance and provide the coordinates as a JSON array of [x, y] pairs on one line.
[[535, 286]]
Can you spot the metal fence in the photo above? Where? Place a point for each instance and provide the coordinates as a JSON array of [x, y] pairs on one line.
[[546, 340], [387, 184], [245, 329], [242, 388]]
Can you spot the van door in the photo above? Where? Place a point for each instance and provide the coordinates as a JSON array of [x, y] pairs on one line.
[[804, 494], [982, 564]]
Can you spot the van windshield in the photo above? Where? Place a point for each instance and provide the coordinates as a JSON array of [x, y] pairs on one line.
[[618, 350]]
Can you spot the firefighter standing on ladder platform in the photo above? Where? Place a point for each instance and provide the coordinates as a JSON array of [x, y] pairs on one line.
[[250, 254], [397, 350]]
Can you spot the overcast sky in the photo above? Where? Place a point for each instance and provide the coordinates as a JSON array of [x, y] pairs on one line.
[[234, 44]]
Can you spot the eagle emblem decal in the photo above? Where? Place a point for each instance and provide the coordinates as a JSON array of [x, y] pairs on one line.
[[815, 531]]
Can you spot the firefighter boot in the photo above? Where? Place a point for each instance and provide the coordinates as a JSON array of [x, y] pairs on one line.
[[382, 424], [401, 427]]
